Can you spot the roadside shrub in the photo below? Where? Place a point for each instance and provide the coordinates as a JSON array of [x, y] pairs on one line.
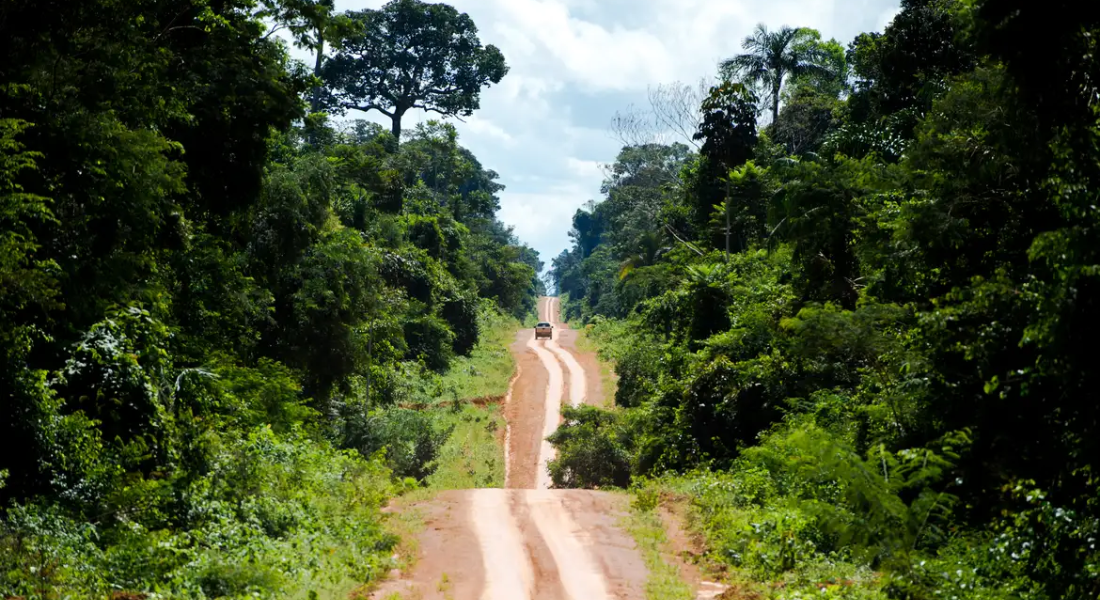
[[273, 517], [430, 340], [590, 450], [638, 367], [461, 312], [410, 438]]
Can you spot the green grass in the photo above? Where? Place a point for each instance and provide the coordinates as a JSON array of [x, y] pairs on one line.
[[531, 319], [486, 372], [664, 581], [473, 456]]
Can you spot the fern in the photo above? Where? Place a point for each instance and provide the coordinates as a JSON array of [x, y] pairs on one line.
[[882, 506]]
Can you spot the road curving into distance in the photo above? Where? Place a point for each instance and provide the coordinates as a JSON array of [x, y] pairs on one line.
[[528, 541]]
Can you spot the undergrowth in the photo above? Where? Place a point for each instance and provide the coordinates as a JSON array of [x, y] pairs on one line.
[[663, 581], [472, 457], [589, 339], [273, 517], [486, 372]]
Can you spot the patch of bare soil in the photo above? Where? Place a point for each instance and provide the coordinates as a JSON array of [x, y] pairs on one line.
[[523, 545], [597, 514], [689, 550], [524, 414], [449, 564], [567, 339], [517, 544]]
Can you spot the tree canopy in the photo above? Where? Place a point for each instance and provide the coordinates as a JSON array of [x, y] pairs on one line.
[[408, 55], [773, 57], [883, 370], [216, 308]]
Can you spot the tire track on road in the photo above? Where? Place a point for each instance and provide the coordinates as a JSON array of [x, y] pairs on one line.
[[529, 544], [509, 574], [577, 380], [551, 414], [569, 544]]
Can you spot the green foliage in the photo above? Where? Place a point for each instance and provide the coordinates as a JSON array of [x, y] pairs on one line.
[[298, 513], [901, 70], [412, 54], [910, 274], [24, 279], [410, 439], [645, 526], [808, 119], [774, 56], [217, 309], [728, 127], [488, 369], [472, 457], [590, 450]]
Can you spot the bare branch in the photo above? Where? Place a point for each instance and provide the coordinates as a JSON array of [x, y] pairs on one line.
[[634, 127], [683, 241], [277, 27], [675, 108], [367, 108], [672, 116]]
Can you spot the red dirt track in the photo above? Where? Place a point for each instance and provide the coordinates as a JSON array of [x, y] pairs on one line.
[[527, 541]]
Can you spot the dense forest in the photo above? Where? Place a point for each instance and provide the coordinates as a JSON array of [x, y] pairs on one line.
[[216, 300], [850, 308]]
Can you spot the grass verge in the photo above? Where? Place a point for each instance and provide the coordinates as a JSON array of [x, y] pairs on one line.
[[485, 373], [664, 582], [473, 455]]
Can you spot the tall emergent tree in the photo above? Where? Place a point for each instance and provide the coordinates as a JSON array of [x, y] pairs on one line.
[[312, 25], [412, 54], [774, 56]]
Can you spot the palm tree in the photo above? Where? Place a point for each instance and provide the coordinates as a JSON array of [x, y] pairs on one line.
[[772, 57], [651, 247]]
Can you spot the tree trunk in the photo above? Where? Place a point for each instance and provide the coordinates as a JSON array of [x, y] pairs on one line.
[[727, 220], [315, 100], [395, 129], [775, 102]]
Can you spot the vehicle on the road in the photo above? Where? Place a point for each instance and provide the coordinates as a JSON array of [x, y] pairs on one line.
[[545, 330]]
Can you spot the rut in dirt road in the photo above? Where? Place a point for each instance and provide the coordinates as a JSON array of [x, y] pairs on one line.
[[528, 541], [577, 379], [552, 403]]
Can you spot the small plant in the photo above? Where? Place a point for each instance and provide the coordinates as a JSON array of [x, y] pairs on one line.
[[647, 496]]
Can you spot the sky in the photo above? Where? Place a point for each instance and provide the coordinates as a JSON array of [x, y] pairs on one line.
[[574, 63]]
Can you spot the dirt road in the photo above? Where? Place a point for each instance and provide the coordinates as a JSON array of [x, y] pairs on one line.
[[528, 541]]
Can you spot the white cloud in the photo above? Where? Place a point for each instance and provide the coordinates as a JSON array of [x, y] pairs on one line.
[[591, 54], [478, 125], [588, 169], [543, 219], [887, 16], [570, 59]]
